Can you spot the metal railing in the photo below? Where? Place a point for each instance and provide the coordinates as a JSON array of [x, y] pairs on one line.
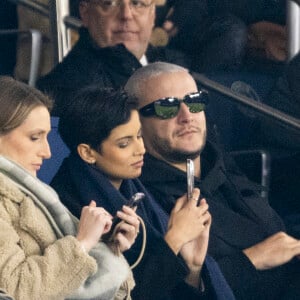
[[61, 22], [62, 10], [72, 22], [259, 107], [293, 27], [36, 44]]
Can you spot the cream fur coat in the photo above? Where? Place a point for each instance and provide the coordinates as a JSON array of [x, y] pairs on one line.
[[34, 264]]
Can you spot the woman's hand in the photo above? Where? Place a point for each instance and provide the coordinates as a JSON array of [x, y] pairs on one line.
[[94, 221], [128, 229]]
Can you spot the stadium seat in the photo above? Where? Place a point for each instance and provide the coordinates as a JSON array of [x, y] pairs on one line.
[[59, 151]]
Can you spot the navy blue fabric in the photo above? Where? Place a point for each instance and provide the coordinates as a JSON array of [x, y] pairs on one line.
[[161, 274], [95, 185]]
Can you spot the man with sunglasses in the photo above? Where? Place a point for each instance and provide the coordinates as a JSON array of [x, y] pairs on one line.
[[247, 239], [113, 43]]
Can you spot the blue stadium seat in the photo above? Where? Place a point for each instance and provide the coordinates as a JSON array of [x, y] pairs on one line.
[[59, 151]]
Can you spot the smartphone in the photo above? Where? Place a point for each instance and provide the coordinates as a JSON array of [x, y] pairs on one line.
[[190, 178], [132, 202], [135, 199]]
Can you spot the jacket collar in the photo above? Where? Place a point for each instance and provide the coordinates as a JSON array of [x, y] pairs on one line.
[[116, 57]]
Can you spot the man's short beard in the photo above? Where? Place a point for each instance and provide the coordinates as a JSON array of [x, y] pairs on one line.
[[164, 149]]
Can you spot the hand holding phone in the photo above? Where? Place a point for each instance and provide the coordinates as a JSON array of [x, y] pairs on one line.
[[132, 203], [190, 178], [135, 200]]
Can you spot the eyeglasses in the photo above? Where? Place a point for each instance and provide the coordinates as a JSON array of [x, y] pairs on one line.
[[168, 108], [110, 6]]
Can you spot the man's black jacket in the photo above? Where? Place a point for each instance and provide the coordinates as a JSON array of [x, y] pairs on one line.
[[241, 219]]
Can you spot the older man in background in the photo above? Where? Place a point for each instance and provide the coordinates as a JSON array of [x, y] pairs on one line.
[[115, 41]]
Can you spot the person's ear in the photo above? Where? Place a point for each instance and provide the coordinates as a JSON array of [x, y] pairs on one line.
[[84, 12], [86, 153]]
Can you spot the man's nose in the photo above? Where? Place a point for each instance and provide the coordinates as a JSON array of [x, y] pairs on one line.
[[184, 115], [126, 10]]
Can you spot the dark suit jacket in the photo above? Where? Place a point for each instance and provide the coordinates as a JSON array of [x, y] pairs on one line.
[[88, 64]]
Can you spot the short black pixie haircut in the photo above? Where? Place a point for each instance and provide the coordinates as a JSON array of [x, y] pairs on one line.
[[93, 114]]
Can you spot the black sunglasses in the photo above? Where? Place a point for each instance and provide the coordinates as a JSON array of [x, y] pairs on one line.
[[168, 108]]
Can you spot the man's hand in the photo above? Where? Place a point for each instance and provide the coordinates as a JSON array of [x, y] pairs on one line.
[[274, 251], [194, 252], [268, 39], [187, 221]]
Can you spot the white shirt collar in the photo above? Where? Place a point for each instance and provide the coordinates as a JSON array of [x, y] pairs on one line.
[[143, 60]]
